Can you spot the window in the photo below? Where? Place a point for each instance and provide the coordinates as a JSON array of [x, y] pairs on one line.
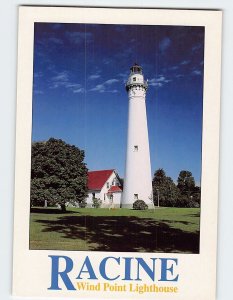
[[107, 185], [134, 78], [135, 196], [93, 195], [135, 148]]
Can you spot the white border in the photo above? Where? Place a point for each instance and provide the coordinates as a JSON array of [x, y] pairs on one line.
[[8, 51], [199, 264]]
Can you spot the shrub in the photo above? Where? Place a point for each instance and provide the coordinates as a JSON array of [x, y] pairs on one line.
[[140, 205], [96, 202], [82, 204]]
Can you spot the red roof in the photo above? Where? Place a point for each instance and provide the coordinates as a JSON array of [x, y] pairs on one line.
[[96, 179], [114, 189]]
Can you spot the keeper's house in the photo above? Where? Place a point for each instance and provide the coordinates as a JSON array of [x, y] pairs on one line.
[[106, 186]]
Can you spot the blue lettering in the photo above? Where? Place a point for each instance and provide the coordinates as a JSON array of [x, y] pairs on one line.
[[127, 268], [102, 267], [88, 270], [165, 269], [55, 273], [150, 272]]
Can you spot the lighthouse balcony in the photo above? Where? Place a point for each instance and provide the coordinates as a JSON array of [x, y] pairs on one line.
[[130, 84]]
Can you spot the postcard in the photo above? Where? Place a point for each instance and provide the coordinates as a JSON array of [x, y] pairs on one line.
[[116, 177]]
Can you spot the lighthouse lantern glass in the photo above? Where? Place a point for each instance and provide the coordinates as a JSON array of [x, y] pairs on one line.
[[136, 69]]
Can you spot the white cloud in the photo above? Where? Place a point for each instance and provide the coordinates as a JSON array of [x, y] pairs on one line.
[[72, 85], [94, 76], [196, 72], [179, 75], [78, 37], [105, 86], [99, 88], [111, 81], [161, 78], [158, 81], [38, 74], [124, 75], [80, 90], [38, 92], [164, 44], [62, 79], [174, 68], [196, 47], [107, 61], [157, 84], [185, 62]]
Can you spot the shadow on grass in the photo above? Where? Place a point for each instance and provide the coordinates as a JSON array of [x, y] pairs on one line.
[[124, 233], [50, 211], [196, 215]]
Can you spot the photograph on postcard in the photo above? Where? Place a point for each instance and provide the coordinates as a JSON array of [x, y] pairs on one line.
[[116, 153]]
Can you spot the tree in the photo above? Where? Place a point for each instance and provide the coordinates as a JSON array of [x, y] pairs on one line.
[[190, 193], [186, 183], [197, 193], [58, 173], [165, 192]]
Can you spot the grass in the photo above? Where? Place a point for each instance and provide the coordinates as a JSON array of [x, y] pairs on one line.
[[161, 230]]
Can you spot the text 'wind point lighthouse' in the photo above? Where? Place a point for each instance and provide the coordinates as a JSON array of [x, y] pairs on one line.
[[137, 182]]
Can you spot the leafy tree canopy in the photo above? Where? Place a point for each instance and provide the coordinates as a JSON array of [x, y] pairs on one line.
[[164, 189], [58, 173], [186, 183], [167, 193]]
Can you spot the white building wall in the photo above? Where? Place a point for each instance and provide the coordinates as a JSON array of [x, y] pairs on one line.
[[117, 199], [90, 196], [138, 179], [102, 194]]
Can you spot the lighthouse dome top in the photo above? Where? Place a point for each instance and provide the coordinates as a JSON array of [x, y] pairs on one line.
[[136, 69]]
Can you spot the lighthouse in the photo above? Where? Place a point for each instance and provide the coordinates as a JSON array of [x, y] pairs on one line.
[[137, 182]]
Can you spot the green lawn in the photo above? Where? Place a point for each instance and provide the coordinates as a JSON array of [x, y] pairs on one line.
[[159, 230]]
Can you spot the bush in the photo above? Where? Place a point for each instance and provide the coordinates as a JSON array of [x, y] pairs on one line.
[[185, 201], [140, 205], [96, 202], [193, 203], [82, 204]]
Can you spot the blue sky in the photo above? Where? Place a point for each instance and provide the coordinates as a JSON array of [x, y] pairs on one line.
[[79, 93]]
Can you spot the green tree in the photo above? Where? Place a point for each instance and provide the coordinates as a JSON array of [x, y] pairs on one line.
[[196, 196], [185, 183], [58, 173], [189, 193], [165, 192]]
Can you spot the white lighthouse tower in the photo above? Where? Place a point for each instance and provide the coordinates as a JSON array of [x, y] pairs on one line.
[[137, 182]]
